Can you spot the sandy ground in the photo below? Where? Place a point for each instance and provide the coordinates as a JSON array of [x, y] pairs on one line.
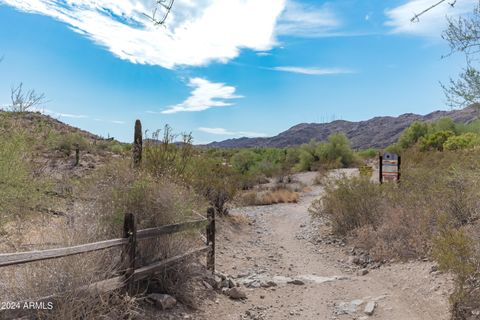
[[276, 245]]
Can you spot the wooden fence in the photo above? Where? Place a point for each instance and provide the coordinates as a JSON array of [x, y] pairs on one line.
[[129, 241]]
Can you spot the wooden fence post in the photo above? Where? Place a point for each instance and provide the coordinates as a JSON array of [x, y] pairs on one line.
[[77, 155], [399, 167], [380, 169], [130, 232], [211, 239]]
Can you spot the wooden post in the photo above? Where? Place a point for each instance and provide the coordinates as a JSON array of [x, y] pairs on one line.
[[130, 232], [380, 169], [211, 239], [399, 166], [77, 155]]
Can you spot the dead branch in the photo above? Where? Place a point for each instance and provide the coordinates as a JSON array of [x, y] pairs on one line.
[[416, 17]]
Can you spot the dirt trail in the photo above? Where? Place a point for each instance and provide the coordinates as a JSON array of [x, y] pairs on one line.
[[276, 246]]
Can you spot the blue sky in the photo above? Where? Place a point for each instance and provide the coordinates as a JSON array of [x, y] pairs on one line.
[[226, 68]]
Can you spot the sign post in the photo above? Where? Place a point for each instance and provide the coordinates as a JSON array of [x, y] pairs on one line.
[[389, 167]]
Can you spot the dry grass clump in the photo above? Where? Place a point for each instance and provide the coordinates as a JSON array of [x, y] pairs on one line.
[[279, 196], [62, 285], [269, 197]]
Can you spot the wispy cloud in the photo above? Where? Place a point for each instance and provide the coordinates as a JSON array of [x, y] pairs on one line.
[[313, 71], [431, 23], [58, 114], [197, 32], [307, 20], [225, 132], [205, 95], [117, 121]]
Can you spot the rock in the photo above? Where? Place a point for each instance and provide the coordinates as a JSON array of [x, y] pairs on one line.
[[162, 301], [347, 307], [296, 282], [370, 308], [236, 294], [207, 285], [362, 272]]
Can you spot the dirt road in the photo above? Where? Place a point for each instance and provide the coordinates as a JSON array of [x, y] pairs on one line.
[[288, 275]]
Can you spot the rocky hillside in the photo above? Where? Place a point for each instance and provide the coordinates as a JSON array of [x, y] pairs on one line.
[[378, 132]]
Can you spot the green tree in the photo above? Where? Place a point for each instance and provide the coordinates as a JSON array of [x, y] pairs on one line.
[[243, 161], [412, 134]]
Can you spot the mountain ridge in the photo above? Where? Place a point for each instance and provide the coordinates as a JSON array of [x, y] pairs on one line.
[[377, 132]]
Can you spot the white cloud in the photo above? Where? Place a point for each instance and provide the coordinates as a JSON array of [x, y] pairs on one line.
[[58, 114], [205, 95], [431, 23], [313, 71], [225, 132], [305, 20], [197, 32]]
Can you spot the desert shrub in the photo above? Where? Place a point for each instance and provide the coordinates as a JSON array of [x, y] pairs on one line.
[[268, 197], [164, 157], [367, 153], [334, 153], [154, 201], [463, 141], [215, 181], [20, 190], [350, 204], [336, 150], [455, 252], [400, 234], [434, 141], [243, 161], [444, 124], [278, 196], [306, 158], [67, 142], [412, 134]]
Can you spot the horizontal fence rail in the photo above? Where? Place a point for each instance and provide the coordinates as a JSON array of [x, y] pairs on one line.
[[7, 259], [171, 228], [130, 274]]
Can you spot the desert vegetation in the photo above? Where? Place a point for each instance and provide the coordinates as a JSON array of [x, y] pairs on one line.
[[433, 213]]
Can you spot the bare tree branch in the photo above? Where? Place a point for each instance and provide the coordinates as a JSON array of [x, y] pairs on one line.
[[167, 7], [416, 17], [23, 101]]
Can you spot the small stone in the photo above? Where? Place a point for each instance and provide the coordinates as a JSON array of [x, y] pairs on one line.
[[296, 282], [236, 294], [162, 301], [362, 272], [370, 308]]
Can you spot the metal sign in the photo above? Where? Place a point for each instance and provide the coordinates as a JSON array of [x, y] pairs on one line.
[[389, 167]]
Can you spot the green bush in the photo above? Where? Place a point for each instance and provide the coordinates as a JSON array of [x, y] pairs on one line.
[[243, 161], [20, 191], [434, 141], [412, 134], [368, 153], [215, 181], [67, 142], [337, 151], [463, 141]]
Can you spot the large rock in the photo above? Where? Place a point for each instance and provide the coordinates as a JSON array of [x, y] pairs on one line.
[[162, 301]]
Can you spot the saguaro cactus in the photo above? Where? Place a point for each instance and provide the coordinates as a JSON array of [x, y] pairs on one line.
[[137, 144]]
